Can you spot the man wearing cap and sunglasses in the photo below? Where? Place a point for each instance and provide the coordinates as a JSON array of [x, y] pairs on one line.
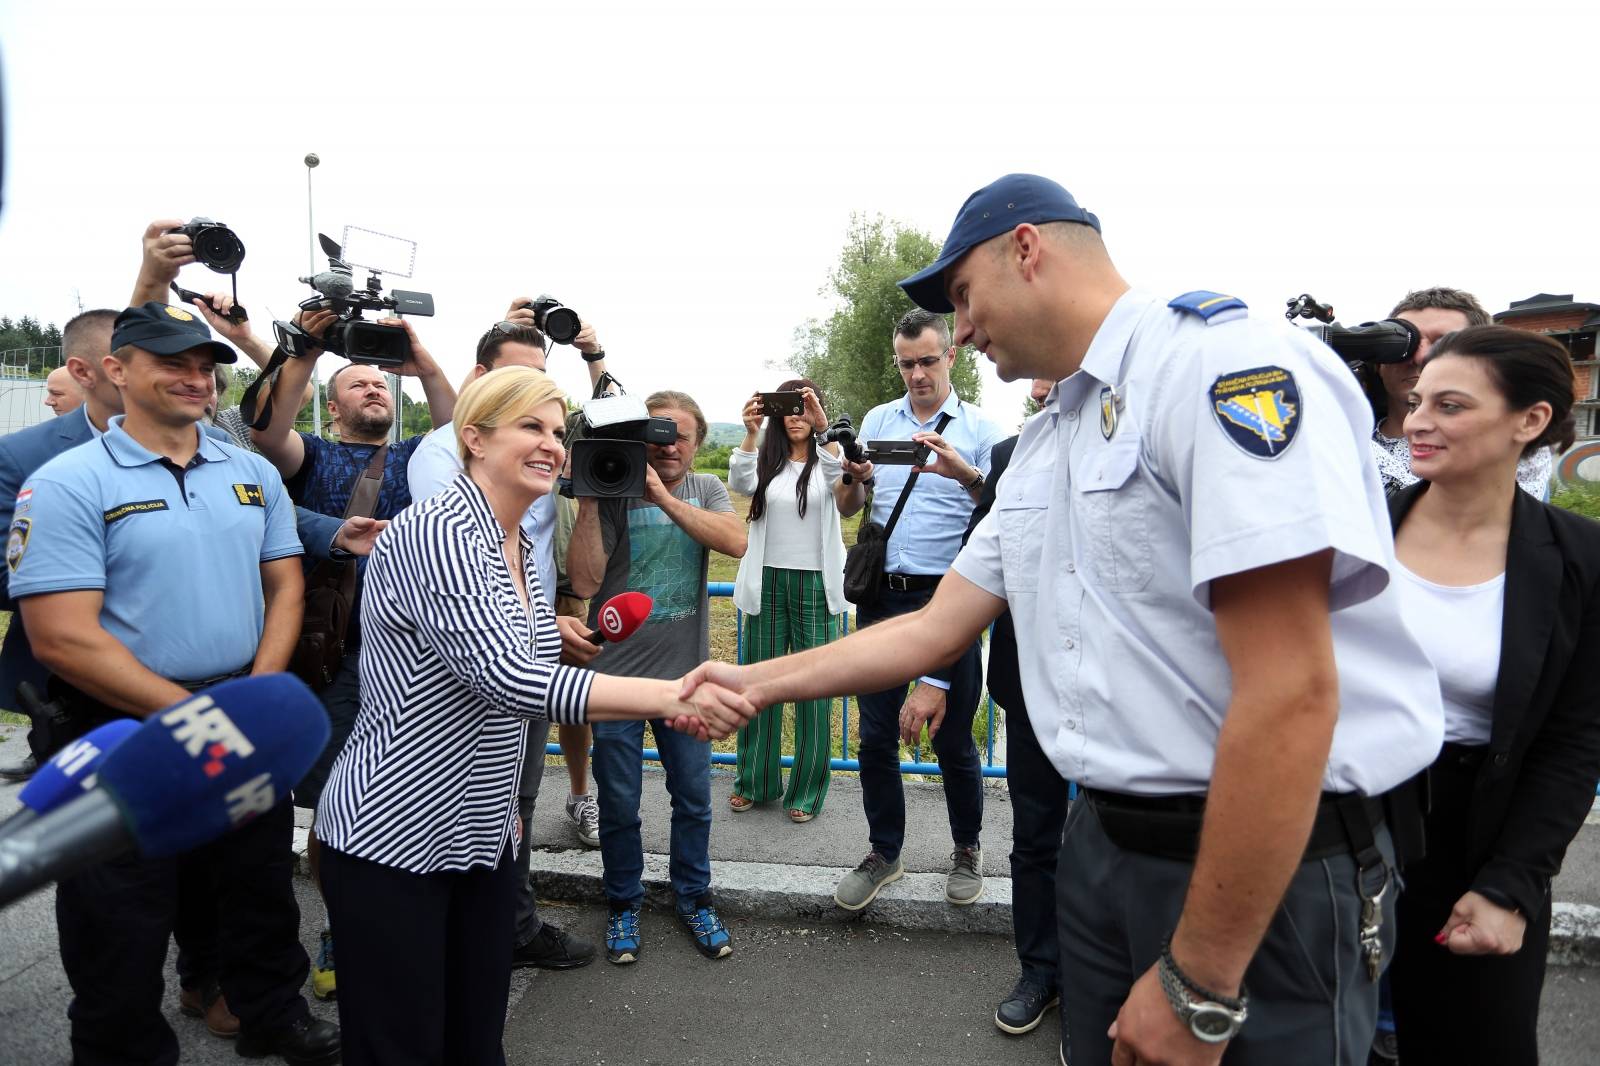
[[149, 563], [1195, 553]]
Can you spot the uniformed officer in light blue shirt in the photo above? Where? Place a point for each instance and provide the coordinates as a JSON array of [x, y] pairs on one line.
[[147, 563], [1196, 554]]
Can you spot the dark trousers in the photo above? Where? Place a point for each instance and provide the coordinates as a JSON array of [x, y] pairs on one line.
[[528, 922], [957, 755], [114, 920], [1310, 998], [1458, 1008], [424, 961], [1038, 812], [341, 699]]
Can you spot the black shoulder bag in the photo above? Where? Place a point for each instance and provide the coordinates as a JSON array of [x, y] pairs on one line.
[[864, 562]]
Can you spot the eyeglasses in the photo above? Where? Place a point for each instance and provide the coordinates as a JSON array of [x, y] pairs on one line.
[[927, 362]]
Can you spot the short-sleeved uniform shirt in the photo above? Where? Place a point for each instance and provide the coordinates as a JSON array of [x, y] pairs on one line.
[[328, 476], [648, 552], [177, 553], [1183, 451], [928, 535]]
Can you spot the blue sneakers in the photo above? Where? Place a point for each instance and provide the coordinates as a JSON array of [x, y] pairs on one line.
[[711, 937], [622, 933]]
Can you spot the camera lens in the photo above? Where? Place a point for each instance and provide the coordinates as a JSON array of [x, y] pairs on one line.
[[610, 470], [220, 250], [560, 324]]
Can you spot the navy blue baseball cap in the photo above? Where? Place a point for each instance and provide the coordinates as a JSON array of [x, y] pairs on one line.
[[166, 329], [997, 208]]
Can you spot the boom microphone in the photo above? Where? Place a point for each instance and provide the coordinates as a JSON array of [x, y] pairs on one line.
[[69, 773], [184, 777], [621, 615]]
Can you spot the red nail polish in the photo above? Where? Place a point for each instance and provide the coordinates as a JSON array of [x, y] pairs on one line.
[[1441, 938]]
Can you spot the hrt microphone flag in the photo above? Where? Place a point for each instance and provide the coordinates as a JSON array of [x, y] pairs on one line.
[[188, 774], [203, 766], [621, 615]]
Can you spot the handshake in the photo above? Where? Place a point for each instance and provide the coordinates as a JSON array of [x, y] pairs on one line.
[[717, 700]]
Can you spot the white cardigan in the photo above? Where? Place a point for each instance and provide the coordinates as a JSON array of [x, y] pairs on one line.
[[747, 585]]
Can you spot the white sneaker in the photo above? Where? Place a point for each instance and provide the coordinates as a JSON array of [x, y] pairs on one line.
[[585, 815]]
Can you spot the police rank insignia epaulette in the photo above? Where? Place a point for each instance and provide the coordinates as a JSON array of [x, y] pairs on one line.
[[1210, 306], [1258, 409]]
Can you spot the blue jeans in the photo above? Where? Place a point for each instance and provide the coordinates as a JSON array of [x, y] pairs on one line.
[[619, 777]]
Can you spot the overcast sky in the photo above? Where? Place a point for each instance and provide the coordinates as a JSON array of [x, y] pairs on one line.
[[684, 174]]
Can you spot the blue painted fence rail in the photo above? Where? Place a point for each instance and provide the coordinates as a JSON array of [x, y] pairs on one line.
[[915, 766]]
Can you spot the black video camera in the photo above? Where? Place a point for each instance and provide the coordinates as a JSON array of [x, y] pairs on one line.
[[352, 336], [1393, 340], [843, 433], [215, 245], [555, 320], [608, 460]]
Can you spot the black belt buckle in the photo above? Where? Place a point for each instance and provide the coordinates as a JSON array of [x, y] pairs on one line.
[[898, 582]]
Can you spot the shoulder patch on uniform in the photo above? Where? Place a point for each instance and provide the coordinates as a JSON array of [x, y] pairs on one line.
[[249, 495], [123, 510], [1208, 305], [17, 543], [1258, 409]]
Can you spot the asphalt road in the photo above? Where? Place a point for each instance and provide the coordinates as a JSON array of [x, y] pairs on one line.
[[793, 994]]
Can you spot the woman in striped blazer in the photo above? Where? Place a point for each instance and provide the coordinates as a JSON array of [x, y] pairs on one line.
[[419, 817]]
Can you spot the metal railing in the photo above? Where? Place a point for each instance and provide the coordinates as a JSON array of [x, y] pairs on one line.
[[914, 765]]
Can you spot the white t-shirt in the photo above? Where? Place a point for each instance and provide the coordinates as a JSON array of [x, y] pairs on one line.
[[795, 543], [1458, 627]]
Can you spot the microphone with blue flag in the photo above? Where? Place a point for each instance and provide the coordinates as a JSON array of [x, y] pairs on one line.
[[186, 775], [68, 774]]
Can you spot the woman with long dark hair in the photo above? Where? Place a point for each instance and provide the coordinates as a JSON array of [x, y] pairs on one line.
[[791, 585], [1503, 592]]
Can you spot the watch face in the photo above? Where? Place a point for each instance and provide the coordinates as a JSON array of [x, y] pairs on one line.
[[1212, 1023]]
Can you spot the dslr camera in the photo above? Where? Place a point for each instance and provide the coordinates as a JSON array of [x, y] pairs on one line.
[[555, 320], [215, 245], [608, 459], [352, 336], [1393, 340]]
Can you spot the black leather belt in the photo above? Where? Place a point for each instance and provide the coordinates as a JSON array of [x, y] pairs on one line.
[[1169, 826], [911, 582]]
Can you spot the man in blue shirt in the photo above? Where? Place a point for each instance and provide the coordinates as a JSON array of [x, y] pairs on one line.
[[149, 564], [922, 545]]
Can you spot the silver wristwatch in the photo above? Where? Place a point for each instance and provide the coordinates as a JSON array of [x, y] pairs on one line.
[[1212, 1019]]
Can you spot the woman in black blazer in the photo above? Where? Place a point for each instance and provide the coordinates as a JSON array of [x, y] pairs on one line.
[[1503, 592]]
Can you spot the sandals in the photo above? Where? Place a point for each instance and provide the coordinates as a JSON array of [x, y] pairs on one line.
[[739, 803], [798, 816]]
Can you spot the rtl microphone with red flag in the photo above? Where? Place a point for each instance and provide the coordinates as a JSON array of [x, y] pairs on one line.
[[621, 615]]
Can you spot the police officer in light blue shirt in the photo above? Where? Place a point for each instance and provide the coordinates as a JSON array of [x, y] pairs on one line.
[[924, 540], [148, 563], [1195, 553]]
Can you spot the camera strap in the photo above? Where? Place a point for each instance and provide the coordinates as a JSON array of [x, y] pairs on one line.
[[905, 493], [252, 394]]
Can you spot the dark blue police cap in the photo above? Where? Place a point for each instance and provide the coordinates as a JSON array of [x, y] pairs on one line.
[[994, 209], [165, 329]]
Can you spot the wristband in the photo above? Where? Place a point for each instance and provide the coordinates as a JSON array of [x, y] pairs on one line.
[[593, 357]]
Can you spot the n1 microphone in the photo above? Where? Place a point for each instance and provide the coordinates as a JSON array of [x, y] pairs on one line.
[[188, 774], [621, 615], [69, 773]]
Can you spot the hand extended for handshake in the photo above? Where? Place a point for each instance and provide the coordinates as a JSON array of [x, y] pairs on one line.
[[720, 701]]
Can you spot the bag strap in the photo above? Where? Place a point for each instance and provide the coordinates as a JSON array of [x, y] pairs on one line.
[[905, 493], [260, 418], [364, 497]]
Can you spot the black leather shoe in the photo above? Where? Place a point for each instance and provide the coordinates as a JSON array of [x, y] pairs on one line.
[[552, 949], [307, 1042], [20, 770], [1024, 1008]]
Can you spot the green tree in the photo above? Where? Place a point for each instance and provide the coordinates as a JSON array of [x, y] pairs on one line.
[[28, 347], [850, 355]]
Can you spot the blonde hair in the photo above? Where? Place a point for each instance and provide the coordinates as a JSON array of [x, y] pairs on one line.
[[500, 396]]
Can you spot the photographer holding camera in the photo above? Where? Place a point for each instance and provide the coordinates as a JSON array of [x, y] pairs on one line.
[[922, 544], [659, 545], [517, 341], [1435, 312]]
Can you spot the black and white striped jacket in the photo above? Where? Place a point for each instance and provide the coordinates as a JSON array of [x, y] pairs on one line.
[[450, 665]]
